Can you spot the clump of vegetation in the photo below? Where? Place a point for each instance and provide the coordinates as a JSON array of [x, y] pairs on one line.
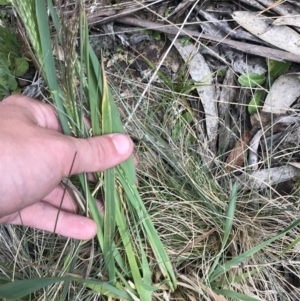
[[12, 62], [126, 234], [253, 80]]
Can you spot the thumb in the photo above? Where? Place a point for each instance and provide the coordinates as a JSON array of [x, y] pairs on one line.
[[97, 153]]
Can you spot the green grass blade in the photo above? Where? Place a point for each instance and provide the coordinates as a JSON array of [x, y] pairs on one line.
[[93, 90], [109, 222], [21, 288], [109, 187], [54, 16], [228, 225], [94, 77], [126, 175], [236, 279], [98, 218], [48, 63], [290, 246], [151, 234], [131, 254], [235, 295], [145, 265], [238, 259]]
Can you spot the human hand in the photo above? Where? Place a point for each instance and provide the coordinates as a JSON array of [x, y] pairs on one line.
[[34, 158]]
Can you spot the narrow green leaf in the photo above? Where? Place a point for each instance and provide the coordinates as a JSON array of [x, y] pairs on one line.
[[230, 214], [95, 80], [145, 265], [131, 254], [290, 246], [235, 295], [151, 234], [227, 226], [238, 259], [54, 17], [48, 63], [235, 279], [109, 186], [21, 288]]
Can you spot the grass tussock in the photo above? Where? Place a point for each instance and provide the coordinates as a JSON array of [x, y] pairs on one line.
[[223, 240]]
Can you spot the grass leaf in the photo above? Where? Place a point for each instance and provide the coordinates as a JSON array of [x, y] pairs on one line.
[[21, 288], [235, 295], [227, 226], [109, 186], [238, 259], [48, 63]]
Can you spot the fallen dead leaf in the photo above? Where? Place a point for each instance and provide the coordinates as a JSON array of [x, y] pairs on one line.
[[290, 20], [238, 154], [267, 177], [282, 37], [283, 93], [200, 72]]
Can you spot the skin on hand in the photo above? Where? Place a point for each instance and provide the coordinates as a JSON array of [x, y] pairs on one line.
[[34, 158]]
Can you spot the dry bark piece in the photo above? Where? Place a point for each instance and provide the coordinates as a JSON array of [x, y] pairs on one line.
[[227, 97], [282, 37], [181, 8], [239, 153]]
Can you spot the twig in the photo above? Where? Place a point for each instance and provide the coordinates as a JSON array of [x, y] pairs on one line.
[[114, 13], [263, 51]]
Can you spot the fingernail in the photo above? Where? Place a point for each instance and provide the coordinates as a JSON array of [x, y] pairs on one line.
[[122, 143]]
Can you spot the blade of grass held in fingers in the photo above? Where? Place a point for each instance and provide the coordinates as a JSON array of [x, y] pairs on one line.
[[108, 117], [94, 93], [94, 78], [131, 254], [151, 234], [109, 186], [126, 174], [47, 62]]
